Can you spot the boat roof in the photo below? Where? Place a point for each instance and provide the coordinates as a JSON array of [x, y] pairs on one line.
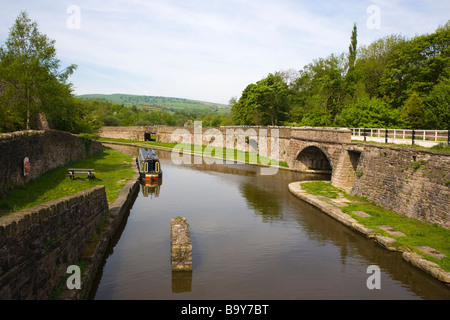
[[148, 154]]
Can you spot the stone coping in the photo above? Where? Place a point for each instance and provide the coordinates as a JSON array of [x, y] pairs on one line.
[[387, 242], [18, 222]]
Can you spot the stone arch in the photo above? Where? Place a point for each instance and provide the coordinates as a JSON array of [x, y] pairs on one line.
[[313, 158]]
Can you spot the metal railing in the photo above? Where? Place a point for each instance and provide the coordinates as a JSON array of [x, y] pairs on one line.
[[425, 138]]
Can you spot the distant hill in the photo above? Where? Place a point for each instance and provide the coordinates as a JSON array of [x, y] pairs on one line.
[[162, 103]]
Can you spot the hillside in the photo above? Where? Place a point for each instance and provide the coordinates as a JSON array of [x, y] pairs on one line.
[[161, 103]]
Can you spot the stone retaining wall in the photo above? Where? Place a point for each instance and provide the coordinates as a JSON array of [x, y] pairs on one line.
[[46, 150], [94, 258], [412, 182], [38, 244]]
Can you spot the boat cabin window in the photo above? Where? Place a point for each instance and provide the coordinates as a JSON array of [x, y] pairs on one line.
[[150, 165], [144, 166]]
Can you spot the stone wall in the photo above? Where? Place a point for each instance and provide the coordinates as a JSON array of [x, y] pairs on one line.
[[337, 135], [409, 181], [38, 244], [128, 133], [46, 150], [240, 138], [106, 237]]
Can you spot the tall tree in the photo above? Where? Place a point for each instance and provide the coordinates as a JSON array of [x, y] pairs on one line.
[[30, 70], [352, 50]]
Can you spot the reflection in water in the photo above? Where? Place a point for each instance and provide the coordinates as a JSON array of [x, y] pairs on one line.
[[251, 239], [181, 281], [151, 188], [262, 202]]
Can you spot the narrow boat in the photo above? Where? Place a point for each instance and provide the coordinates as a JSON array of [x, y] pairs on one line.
[[148, 165]]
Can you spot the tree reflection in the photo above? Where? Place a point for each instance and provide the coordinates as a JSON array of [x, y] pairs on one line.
[[262, 202]]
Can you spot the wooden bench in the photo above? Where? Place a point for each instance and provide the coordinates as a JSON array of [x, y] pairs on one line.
[[89, 172]]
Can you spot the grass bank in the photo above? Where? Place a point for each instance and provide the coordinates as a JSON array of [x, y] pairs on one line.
[[223, 153], [417, 233], [112, 169]]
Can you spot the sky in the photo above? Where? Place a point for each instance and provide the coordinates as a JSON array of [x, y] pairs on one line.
[[209, 50]]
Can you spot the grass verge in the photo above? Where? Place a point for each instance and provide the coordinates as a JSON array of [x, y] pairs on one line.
[[112, 169], [417, 233]]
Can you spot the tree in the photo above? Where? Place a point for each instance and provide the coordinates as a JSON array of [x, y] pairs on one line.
[[319, 90], [368, 113], [416, 65], [438, 106], [413, 112], [352, 50], [244, 111], [31, 78], [271, 98], [263, 103], [371, 63]]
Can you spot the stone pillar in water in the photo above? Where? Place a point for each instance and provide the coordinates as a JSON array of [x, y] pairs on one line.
[[181, 245]]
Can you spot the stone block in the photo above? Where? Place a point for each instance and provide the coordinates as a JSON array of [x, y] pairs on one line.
[[181, 245]]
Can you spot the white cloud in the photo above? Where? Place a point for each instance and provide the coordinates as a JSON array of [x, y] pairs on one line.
[[208, 50]]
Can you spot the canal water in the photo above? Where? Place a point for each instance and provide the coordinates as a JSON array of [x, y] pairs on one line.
[[251, 239]]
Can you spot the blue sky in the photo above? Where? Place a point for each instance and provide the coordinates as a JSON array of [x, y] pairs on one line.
[[209, 50]]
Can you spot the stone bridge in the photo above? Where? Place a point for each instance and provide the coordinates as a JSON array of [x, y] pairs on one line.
[[409, 181], [323, 150]]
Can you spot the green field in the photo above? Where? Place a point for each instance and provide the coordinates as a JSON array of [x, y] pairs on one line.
[[160, 103]]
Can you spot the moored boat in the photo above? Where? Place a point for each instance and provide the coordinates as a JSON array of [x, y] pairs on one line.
[[148, 165]]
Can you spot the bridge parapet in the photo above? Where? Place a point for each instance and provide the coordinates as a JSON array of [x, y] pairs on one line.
[[333, 135]]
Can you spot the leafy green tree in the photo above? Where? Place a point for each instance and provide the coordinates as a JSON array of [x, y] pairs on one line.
[[243, 111], [31, 75], [413, 112], [416, 65], [272, 100], [352, 50], [369, 113], [319, 94], [438, 106], [263, 103], [370, 65]]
